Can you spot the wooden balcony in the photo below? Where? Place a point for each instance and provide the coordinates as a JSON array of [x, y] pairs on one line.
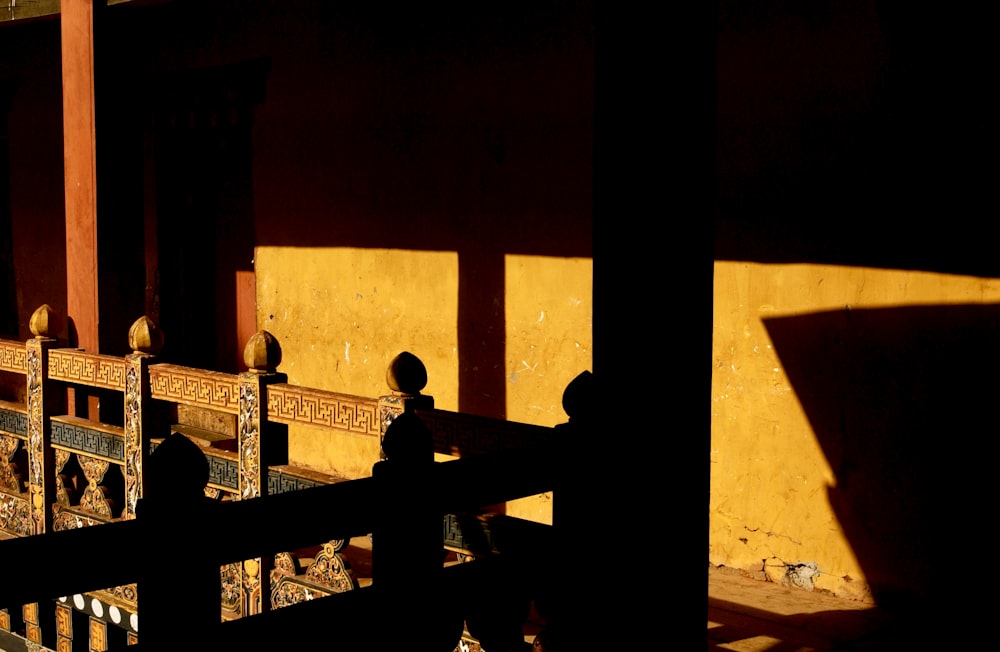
[[83, 568]]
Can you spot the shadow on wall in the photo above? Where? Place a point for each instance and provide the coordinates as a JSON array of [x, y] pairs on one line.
[[902, 402]]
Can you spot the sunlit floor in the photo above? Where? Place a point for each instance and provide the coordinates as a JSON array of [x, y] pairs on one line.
[[748, 615]]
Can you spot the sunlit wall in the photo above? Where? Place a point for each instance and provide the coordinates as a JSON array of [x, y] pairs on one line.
[[808, 472], [342, 314]]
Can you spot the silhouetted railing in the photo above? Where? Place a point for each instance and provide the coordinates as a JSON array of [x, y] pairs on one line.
[[61, 474]]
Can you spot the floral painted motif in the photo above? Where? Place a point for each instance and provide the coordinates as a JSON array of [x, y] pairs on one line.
[[133, 436], [15, 517], [249, 423], [232, 587], [37, 504], [9, 479]]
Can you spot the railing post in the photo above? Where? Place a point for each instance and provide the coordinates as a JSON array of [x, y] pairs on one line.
[[42, 400], [258, 450], [565, 599], [141, 417], [408, 540], [406, 376], [178, 584]]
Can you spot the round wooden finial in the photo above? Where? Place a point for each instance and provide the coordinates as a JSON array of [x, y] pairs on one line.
[[45, 321], [144, 336], [406, 374], [578, 396], [262, 353]]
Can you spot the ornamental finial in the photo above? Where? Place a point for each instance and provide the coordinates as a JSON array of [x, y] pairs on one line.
[[406, 374], [262, 353], [45, 322], [578, 396], [144, 336]]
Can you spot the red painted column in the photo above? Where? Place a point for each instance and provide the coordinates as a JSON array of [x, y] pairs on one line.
[[79, 153], [80, 170]]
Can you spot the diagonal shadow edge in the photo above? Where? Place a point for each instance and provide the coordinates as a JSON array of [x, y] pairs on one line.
[[901, 401]]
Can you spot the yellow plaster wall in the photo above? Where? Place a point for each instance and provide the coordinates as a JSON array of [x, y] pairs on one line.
[[549, 316], [342, 314], [769, 477]]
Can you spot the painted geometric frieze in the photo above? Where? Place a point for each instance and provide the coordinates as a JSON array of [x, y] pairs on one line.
[[106, 372], [12, 356], [463, 434], [15, 517], [82, 438], [224, 472], [279, 483], [13, 422], [291, 404], [197, 387]]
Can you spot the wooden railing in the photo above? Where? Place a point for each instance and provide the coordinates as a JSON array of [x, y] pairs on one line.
[[60, 474]]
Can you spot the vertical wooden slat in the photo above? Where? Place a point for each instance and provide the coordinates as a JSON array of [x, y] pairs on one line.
[[262, 355], [98, 635], [141, 415], [32, 629], [41, 399], [64, 628]]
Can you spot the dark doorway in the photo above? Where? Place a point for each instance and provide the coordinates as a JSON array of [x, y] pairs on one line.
[[201, 154]]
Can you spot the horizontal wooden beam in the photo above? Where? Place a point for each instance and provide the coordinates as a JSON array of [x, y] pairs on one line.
[[339, 511]]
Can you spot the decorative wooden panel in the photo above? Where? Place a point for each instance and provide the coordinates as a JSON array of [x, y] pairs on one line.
[[98, 635], [291, 404], [9, 479], [464, 434], [13, 420], [88, 437], [198, 387], [13, 357], [15, 517], [93, 369], [38, 469]]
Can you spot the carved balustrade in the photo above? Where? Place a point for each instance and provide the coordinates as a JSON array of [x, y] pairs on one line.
[[60, 471]]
